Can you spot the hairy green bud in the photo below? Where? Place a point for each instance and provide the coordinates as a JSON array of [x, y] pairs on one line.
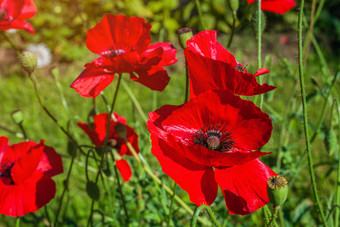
[[184, 34], [28, 62]]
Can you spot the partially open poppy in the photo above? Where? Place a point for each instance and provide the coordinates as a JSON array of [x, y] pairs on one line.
[[97, 134], [26, 169], [213, 140], [13, 14], [211, 66], [276, 6], [123, 43]]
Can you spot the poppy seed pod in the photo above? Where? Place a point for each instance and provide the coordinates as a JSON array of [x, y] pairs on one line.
[[28, 62], [184, 34], [277, 190], [234, 4], [121, 130]]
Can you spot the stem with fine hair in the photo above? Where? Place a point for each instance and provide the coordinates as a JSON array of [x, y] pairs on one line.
[[171, 202], [186, 96], [105, 143], [337, 193], [272, 220], [305, 117], [259, 38], [197, 213]]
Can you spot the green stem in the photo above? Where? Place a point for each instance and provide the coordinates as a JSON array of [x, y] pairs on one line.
[[259, 38], [197, 213], [171, 202], [198, 6], [18, 222], [337, 195], [120, 190], [89, 222], [233, 26], [135, 101], [273, 217], [186, 96], [266, 213], [305, 117]]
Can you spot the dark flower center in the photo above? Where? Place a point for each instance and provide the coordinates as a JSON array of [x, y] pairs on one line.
[[240, 68], [5, 174], [214, 138], [114, 52]]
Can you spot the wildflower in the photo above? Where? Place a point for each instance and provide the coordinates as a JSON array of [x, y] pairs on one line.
[[13, 14], [42, 52], [26, 169], [211, 66], [123, 43], [213, 140], [97, 135], [276, 6]]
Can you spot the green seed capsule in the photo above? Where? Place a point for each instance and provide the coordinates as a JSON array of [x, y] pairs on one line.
[[92, 190], [184, 34], [277, 190]]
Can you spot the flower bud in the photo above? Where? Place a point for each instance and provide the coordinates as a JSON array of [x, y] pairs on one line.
[[184, 34], [28, 62], [234, 4], [17, 117], [92, 190], [277, 190], [121, 130]]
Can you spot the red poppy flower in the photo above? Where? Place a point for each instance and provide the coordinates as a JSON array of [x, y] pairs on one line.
[[211, 66], [97, 135], [26, 169], [214, 140], [276, 6], [123, 43], [14, 12]]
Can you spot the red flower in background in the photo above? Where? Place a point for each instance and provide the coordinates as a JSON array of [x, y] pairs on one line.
[[276, 6], [211, 66], [97, 135], [14, 12], [214, 140], [26, 169], [123, 43]]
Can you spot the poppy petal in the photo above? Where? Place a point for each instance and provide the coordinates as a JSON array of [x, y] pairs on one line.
[[92, 81], [276, 6], [244, 186], [155, 79], [3, 147], [50, 163], [168, 54], [124, 169], [196, 179], [28, 10], [117, 32], [33, 193]]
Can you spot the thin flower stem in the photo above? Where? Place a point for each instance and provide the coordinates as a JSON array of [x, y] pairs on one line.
[[233, 26], [186, 96], [120, 189], [197, 213], [135, 101], [266, 213], [305, 117], [310, 32], [198, 6], [153, 176], [337, 194], [171, 203], [259, 39], [89, 222], [273, 218], [18, 222]]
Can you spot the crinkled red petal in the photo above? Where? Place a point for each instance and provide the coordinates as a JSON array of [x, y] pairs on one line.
[[155, 79], [244, 186], [118, 32], [196, 179], [168, 54], [35, 192]]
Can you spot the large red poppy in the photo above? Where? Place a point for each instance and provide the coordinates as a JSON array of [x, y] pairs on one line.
[[97, 135], [211, 66], [14, 12], [26, 169], [276, 6], [213, 140], [123, 43]]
